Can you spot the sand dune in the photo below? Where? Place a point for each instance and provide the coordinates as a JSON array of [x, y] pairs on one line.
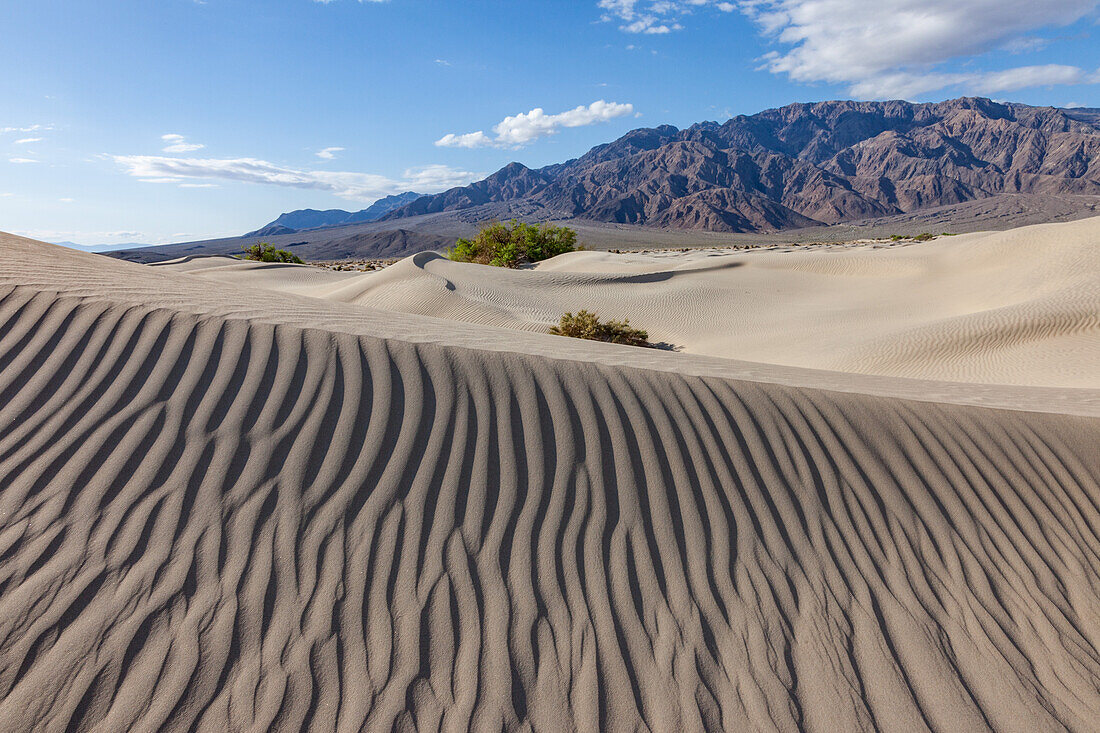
[[1017, 307], [229, 507]]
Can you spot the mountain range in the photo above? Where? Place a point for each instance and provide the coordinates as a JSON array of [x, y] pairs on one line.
[[876, 168], [803, 165], [306, 219]]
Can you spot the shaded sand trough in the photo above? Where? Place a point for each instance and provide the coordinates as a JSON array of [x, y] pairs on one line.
[[231, 508]]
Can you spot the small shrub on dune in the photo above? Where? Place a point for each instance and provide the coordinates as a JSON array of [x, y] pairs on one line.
[[264, 252], [585, 325], [515, 244]]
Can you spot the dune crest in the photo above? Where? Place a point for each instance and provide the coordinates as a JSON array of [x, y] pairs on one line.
[[230, 508], [1020, 307]]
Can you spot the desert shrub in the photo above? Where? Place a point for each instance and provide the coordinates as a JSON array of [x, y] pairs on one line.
[[514, 244], [925, 237], [585, 325], [264, 252]]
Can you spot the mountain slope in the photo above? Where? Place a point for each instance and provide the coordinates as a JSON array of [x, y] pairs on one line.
[[302, 219], [806, 164]]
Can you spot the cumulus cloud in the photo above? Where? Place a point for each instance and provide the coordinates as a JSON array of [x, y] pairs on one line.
[[357, 186], [468, 140], [329, 153], [178, 144], [899, 48], [518, 130]]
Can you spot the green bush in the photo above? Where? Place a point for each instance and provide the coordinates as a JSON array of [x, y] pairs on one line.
[[925, 237], [264, 252], [515, 244], [585, 325]]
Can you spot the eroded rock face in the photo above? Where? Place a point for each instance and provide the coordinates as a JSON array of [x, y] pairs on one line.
[[807, 163]]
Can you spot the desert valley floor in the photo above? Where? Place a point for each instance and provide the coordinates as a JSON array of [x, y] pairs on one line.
[[862, 493]]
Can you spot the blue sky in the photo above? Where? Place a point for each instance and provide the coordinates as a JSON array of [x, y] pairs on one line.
[[169, 120]]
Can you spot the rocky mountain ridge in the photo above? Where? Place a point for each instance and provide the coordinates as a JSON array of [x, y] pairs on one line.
[[804, 165]]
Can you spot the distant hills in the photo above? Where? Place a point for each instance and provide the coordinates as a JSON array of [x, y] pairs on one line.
[[306, 219], [804, 165]]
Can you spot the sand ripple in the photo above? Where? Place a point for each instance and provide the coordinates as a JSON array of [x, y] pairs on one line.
[[212, 522]]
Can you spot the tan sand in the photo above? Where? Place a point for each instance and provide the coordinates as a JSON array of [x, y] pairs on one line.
[[1018, 307], [225, 507]]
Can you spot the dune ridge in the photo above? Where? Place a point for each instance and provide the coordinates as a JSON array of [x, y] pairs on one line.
[[1020, 307], [234, 509]]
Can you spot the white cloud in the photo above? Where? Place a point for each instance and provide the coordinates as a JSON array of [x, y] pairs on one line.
[[27, 141], [655, 17], [1023, 77], [179, 144], [54, 235], [66, 200], [897, 48], [432, 178], [358, 186], [28, 128], [468, 140], [518, 130], [329, 153], [199, 185], [22, 160]]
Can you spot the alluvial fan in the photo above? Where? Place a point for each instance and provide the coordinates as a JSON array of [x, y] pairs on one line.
[[212, 521]]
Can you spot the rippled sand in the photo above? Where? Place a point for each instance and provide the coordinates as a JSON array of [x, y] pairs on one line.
[[231, 506]]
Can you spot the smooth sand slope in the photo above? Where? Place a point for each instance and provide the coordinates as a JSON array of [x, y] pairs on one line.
[[225, 508], [1017, 307]]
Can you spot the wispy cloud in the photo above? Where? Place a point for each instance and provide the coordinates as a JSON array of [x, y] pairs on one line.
[[654, 17], [22, 160], [357, 186], [903, 48], [91, 238], [329, 153], [519, 130], [28, 128], [178, 144], [27, 140], [1024, 77]]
